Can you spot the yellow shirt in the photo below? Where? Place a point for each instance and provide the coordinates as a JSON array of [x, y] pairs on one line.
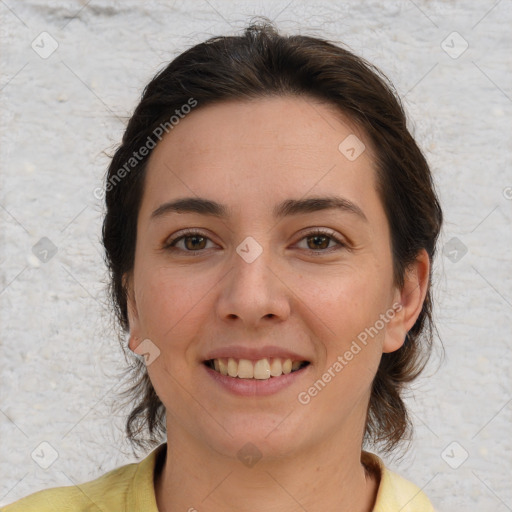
[[130, 488]]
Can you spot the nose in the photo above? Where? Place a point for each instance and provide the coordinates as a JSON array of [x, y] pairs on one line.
[[253, 293]]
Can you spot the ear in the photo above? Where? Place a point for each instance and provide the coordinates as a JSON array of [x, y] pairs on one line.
[[410, 299], [133, 315]]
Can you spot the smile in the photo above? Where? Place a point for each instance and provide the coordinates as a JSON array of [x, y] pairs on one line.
[[261, 369]]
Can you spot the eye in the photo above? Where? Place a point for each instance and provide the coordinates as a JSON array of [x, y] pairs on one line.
[[319, 241], [193, 241]]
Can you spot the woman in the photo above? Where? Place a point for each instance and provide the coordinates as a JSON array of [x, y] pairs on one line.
[[270, 231]]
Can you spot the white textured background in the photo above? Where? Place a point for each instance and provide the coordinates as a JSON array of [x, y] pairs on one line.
[[60, 358]]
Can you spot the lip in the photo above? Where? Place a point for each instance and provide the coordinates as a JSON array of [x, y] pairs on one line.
[[254, 354], [256, 387]]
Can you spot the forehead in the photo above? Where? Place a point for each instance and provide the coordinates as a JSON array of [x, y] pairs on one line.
[[259, 152]]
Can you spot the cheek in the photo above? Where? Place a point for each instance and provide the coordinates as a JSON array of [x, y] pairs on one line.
[[172, 305], [351, 301], [161, 301], [166, 310], [352, 350]]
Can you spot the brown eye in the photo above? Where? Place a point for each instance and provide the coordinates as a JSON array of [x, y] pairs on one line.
[[194, 242], [318, 242], [189, 242]]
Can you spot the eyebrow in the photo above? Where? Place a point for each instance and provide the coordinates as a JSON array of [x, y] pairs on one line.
[[287, 208]]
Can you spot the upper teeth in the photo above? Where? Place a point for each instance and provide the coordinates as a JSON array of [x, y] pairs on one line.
[[261, 369]]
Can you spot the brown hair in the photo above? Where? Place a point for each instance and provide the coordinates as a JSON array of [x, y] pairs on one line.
[[262, 63]]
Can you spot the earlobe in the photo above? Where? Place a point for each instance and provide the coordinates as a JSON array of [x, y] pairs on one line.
[[133, 342], [133, 317], [411, 298]]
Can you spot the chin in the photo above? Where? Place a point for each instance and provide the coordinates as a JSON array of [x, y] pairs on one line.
[[258, 435]]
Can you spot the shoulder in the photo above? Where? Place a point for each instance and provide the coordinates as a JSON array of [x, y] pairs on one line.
[[106, 491], [114, 491], [408, 496], [395, 493]]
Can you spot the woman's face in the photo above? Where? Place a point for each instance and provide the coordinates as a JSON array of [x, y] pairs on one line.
[[253, 279]]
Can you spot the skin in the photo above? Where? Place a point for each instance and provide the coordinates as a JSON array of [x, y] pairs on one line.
[[250, 156]]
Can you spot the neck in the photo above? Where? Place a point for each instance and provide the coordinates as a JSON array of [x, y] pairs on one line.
[[326, 477]]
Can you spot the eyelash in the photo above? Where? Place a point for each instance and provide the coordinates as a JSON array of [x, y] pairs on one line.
[[170, 245]]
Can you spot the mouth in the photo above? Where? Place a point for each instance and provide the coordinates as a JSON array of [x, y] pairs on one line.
[[262, 369]]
